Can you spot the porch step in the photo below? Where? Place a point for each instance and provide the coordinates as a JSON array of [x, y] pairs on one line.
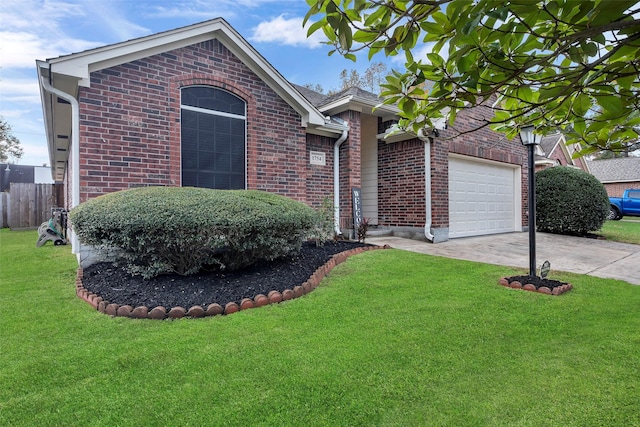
[[379, 232]]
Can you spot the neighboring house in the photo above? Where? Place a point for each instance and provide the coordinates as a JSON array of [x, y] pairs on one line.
[[618, 174], [199, 106], [27, 194], [554, 151], [23, 174]]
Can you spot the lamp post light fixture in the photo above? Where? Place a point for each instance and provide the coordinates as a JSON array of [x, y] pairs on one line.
[[530, 139]]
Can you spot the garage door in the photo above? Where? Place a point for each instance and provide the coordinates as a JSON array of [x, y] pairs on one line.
[[483, 198]]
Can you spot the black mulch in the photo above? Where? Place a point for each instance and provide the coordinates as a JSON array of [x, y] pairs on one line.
[[536, 281], [117, 286]]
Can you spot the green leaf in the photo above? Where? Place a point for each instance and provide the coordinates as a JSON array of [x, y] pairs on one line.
[[329, 33], [365, 36], [471, 25], [581, 105], [590, 49], [435, 59], [407, 105], [465, 63], [378, 14], [612, 105], [315, 26], [410, 40], [431, 28], [344, 34], [579, 126]]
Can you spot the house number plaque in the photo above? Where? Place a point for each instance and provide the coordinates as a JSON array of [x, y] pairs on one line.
[[317, 158]]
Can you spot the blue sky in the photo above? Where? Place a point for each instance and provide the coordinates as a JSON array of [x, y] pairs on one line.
[[42, 29]]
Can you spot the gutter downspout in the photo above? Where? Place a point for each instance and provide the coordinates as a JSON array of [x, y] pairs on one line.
[[427, 183], [75, 148], [336, 181]]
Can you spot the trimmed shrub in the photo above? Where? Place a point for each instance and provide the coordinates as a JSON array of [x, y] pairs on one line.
[[157, 230], [323, 228], [569, 201]]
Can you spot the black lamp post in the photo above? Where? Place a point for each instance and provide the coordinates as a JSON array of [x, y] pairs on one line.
[[530, 140]]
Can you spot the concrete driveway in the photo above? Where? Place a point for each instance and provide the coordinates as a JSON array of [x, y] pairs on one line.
[[594, 257]]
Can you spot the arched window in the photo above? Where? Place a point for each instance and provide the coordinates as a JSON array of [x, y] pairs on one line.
[[213, 135]]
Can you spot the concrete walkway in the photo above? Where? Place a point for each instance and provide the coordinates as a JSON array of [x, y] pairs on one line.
[[598, 258]]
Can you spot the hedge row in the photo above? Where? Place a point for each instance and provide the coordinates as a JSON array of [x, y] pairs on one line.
[[158, 230]]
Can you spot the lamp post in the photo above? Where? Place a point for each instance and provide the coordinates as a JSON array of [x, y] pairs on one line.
[[530, 140]]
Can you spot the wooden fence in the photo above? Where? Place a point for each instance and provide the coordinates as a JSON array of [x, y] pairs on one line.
[[27, 205]]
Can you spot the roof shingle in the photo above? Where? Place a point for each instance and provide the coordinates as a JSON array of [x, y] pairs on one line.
[[616, 170]]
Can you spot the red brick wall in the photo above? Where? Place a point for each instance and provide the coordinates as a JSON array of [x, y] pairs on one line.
[[349, 167], [559, 155], [401, 169], [401, 184], [617, 189], [581, 163], [130, 123], [320, 178]]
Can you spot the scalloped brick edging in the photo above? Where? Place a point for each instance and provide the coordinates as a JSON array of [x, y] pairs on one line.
[[273, 297], [558, 290]]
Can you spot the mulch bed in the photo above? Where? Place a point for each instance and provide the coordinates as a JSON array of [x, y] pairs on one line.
[[536, 284], [112, 290]]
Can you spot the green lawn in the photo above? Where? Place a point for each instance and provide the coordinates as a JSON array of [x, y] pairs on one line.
[[390, 338], [626, 230]]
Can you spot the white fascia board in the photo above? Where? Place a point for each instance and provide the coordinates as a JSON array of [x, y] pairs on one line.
[[81, 64], [328, 129], [56, 116], [397, 137], [47, 113], [362, 105]]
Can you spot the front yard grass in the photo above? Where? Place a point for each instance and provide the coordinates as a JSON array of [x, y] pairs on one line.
[[389, 338], [626, 230]]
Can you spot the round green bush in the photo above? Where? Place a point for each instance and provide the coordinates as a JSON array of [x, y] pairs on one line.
[[569, 201], [158, 230]]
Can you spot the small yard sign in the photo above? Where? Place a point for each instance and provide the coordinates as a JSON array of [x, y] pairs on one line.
[[544, 270], [357, 206]]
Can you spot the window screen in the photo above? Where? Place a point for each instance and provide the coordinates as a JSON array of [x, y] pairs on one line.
[[213, 138]]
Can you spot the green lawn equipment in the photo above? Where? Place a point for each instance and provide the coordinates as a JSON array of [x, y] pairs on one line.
[[55, 229]]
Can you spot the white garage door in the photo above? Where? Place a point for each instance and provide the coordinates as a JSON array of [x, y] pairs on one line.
[[483, 198]]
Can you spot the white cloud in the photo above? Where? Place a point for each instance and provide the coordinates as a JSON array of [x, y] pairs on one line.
[[198, 9], [207, 9], [34, 29], [21, 49], [285, 31], [20, 90], [115, 23]]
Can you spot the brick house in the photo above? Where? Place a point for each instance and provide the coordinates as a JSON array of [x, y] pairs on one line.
[[554, 151], [618, 174], [199, 106]]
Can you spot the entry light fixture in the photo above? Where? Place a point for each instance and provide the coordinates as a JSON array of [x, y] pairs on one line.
[[528, 136]]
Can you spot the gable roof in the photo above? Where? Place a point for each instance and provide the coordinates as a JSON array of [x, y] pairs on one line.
[[69, 72], [548, 143], [624, 169], [316, 98], [357, 99], [352, 98]]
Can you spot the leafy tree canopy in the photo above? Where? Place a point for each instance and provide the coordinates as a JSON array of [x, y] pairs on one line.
[[569, 65], [9, 144]]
